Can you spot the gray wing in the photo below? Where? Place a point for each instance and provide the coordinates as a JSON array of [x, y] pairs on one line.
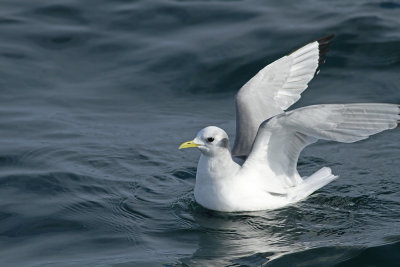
[[280, 140], [275, 88]]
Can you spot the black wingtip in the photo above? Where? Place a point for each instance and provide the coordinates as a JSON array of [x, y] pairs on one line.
[[323, 46], [398, 122], [326, 39]]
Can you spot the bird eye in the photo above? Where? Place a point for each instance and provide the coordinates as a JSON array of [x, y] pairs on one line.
[[210, 139]]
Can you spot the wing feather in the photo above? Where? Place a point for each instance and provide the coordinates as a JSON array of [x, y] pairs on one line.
[[274, 89], [280, 140]]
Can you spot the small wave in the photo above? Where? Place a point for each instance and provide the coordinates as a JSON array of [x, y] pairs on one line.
[[384, 255]]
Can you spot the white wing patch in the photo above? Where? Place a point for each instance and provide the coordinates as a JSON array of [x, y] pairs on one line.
[[302, 70]]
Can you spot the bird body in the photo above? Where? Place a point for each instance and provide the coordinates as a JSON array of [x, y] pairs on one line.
[[261, 171], [224, 185]]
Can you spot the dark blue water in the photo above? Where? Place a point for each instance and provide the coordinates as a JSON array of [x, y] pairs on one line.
[[96, 96]]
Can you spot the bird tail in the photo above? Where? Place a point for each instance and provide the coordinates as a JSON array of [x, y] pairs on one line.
[[312, 183]]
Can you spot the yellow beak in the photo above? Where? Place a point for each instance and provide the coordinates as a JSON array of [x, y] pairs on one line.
[[188, 144]]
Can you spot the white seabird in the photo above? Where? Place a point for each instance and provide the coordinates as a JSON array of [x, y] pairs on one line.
[[261, 171]]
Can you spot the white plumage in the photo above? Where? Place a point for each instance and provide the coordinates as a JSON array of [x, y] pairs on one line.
[[264, 175], [273, 89]]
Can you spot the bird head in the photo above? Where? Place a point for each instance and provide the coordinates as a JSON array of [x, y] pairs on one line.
[[210, 141]]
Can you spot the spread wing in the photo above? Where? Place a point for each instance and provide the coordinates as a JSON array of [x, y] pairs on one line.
[[275, 88], [280, 140]]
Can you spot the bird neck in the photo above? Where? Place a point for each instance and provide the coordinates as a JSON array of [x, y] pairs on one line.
[[216, 167]]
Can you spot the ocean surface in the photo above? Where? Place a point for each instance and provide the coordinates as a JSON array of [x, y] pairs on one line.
[[96, 96]]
